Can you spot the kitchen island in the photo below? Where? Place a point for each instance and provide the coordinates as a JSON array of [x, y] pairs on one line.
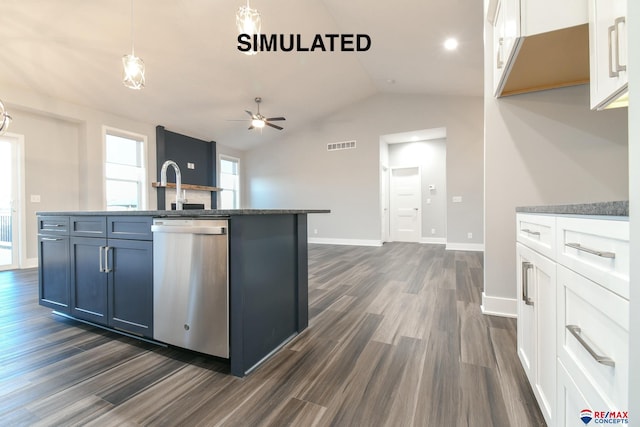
[[97, 267]]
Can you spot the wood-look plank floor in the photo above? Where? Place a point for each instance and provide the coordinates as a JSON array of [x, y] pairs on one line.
[[396, 338]]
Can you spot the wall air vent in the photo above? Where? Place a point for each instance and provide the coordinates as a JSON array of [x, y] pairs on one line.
[[344, 145]]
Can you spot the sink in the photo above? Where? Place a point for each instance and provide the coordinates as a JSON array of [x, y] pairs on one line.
[[188, 206]]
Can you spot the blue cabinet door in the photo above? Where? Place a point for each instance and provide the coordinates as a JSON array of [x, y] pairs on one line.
[[130, 286], [88, 279]]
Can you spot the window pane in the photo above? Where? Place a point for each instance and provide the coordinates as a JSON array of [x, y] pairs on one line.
[[228, 166], [124, 151], [122, 195]]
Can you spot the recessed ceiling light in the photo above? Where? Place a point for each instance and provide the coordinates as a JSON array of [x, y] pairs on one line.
[[451, 44]]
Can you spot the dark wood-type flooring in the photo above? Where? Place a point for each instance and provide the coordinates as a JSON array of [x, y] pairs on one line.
[[396, 338]]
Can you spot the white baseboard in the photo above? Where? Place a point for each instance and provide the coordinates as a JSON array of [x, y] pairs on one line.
[[475, 247], [30, 263], [434, 240], [348, 242], [496, 306]]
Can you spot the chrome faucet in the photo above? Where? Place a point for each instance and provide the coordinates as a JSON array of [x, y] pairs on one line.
[[163, 180]]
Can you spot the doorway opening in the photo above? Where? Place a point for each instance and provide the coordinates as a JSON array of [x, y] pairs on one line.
[[414, 159], [11, 149]]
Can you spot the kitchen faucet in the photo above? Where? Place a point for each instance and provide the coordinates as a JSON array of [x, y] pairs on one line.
[[163, 180]]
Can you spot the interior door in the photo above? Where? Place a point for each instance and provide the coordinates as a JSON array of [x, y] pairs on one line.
[[406, 202], [9, 237]]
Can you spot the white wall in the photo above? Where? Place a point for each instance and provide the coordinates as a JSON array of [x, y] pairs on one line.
[[431, 156], [634, 204], [299, 172], [64, 154], [543, 148]]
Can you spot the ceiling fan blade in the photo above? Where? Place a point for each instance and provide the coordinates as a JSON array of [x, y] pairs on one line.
[[275, 119], [249, 113], [250, 127], [273, 126]]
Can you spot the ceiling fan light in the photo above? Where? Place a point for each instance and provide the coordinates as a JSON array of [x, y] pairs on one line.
[[257, 123], [6, 119], [133, 72]]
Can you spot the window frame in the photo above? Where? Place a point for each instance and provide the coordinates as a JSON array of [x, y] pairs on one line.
[[143, 140], [227, 157]]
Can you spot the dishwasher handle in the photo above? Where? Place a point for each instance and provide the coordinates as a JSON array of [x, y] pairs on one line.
[[189, 229]]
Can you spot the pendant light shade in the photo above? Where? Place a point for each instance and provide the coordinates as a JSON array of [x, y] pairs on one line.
[[248, 22], [133, 72], [132, 65], [5, 119]]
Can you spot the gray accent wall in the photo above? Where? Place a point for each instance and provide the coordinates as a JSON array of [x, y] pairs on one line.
[[544, 148], [298, 172]]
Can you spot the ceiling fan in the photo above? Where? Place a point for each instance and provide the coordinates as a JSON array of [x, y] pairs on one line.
[[259, 121]]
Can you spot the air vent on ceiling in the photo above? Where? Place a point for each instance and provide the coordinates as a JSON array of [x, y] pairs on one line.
[[344, 145]]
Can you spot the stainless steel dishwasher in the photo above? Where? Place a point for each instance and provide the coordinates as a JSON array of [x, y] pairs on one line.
[[191, 284]]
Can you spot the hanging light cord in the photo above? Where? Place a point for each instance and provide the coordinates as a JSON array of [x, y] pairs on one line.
[[132, 48]]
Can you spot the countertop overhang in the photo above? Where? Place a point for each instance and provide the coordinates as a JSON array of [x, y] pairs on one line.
[[617, 208], [191, 212]]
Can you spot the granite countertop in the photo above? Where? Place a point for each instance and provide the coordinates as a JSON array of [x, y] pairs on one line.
[[191, 212], [619, 208]]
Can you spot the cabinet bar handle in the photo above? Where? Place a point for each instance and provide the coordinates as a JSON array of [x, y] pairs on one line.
[[106, 259], [526, 266], [100, 258], [533, 233], [612, 73], [50, 239], [499, 61], [52, 225], [577, 332], [618, 21], [601, 254]]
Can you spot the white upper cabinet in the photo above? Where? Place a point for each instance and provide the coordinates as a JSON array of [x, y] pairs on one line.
[[608, 53], [538, 44]]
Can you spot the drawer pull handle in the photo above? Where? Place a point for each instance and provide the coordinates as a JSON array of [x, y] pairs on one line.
[[533, 233], [52, 225], [601, 254], [50, 239], [526, 266], [576, 332]]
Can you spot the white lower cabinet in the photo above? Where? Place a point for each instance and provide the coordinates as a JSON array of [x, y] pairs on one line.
[[573, 317], [537, 326]]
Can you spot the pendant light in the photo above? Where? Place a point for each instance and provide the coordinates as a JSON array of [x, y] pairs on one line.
[[133, 66], [248, 22], [5, 119]]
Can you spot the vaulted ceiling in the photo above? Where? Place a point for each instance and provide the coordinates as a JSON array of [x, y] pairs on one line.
[[198, 83]]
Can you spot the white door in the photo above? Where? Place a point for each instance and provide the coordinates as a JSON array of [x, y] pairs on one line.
[[9, 254], [406, 202], [385, 203]]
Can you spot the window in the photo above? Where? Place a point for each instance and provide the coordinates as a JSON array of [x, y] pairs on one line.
[[124, 171], [229, 197]]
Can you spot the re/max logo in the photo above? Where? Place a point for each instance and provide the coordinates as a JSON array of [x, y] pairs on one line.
[[294, 43], [612, 414]]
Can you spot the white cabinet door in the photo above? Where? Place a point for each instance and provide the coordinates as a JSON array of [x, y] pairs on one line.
[[608, 52], [537, 326]]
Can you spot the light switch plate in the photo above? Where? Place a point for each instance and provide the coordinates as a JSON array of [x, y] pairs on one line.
[[456, 199], [35, 198], [191, 165]]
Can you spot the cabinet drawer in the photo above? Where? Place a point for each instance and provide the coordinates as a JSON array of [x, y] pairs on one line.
[[129, 227], [53, 225], [576, 400], [600, 320], [537, 232], [88, 226], [598, 249]]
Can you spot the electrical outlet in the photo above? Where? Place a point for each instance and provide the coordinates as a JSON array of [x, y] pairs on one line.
[[428, 201], [433, 231], [191, 165], [315, 231], [469, 235], [456, 199], [35, 198]]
